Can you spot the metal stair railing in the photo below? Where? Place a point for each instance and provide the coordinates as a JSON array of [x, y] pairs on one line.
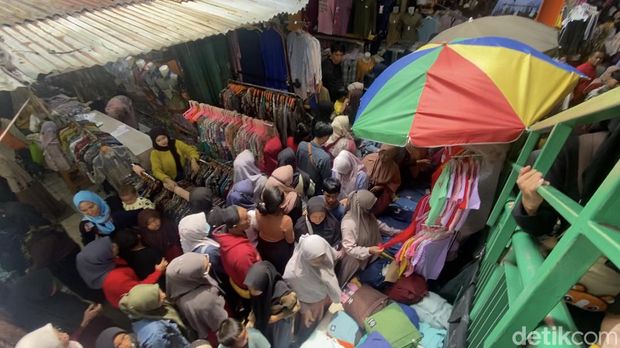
[[517, 287]]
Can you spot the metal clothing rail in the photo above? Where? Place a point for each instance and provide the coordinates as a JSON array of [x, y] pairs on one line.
[[518, 289], [235, 82]]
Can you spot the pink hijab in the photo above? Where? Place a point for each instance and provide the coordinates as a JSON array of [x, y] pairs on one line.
[[282, 178]]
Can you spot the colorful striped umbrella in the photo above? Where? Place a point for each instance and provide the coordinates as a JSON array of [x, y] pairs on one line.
[[474, 91]]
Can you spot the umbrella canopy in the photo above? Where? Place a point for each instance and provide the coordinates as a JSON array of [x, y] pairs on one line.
[[525, 30], [474, 91]]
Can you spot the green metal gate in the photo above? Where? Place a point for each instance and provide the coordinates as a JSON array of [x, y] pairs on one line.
[[517, 288]]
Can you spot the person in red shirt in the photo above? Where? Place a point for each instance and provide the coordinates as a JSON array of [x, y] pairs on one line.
[[123, 278], [237, 253], [589, 69]]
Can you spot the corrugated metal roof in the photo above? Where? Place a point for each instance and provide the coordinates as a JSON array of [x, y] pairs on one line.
[[88, 38], [17, 11]]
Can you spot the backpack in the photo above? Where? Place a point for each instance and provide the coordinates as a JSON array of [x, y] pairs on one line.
[[363, 303], [394, 325], [409, 290]]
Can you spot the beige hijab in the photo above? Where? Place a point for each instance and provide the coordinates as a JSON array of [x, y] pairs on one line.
[[361, 203]]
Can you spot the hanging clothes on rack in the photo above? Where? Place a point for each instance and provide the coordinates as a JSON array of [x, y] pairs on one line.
[[252, 64], [284, 109], [304, 55], [274, 58], [334, 16], [577, 28]]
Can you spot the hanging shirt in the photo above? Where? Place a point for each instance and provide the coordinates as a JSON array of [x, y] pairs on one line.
[[428, 27], [364, 17], [272, 51]]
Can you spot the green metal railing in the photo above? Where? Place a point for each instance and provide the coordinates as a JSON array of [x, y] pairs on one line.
[[517, 288]]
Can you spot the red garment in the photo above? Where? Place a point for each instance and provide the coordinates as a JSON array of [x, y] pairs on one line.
[[290, 142], [237, 255], [122, 279], [410, 231], [270, 159], [590, 71]]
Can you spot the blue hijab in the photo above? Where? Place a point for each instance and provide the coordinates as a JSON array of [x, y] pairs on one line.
[[104, 220], [242, 194]]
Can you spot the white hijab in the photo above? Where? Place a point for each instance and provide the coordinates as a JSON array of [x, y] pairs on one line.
[[44, 337], [244, 166], [346, 168], [194, 232], [313, 284]]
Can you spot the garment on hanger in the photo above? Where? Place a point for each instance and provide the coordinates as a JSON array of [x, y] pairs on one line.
[[333, 17], [394, 29], [252, 65], [428, 26], [384, 11], [364, 17], [409, 27], [304, 55], [274, 58]]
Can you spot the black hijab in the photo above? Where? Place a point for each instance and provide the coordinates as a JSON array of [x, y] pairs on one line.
[[263, 276], [154, 133], [200, 200]]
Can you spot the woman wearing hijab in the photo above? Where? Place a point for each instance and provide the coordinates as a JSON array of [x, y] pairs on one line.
[[115, 337], [310, 273], [361, 233], [238, 253], [304, 186], [169, 157], [100, 268], [195, 235], [47, 337], [275, 228], [195, 293], [273, 304], [50, 247], [350, 172], [244, 166], [142, 259], [154, 321], [384, 176], [160, 234], [282, 179], [242, 194], [98, 219], [341, 139], [35, 300], [201, 200], [320, 222]]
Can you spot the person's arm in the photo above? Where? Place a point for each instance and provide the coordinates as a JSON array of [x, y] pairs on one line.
[[154, 277], [289, 235], [387, 230], [90, 313], [349, 241], [156, 167], [187, 151]]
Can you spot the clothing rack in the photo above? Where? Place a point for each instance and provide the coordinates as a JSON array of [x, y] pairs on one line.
[[290, 94]]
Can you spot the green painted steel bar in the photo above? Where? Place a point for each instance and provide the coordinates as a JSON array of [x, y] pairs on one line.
[[514, 284], [529, 261], [607, 238], [528, 147], [543, 163], [548, 286], [485, 293], [497, 306]]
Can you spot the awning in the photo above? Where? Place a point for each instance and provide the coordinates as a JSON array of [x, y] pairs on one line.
[[72, 41]]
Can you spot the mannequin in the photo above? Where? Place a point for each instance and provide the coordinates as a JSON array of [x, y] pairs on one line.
[[169, 92], [364, 66], [140, 63], [394, 27], [410, 22]]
